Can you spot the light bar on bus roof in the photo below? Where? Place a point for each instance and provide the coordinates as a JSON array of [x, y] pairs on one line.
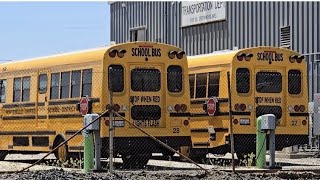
[[179, 54], [114, 52], [297, 58], [242, 56]]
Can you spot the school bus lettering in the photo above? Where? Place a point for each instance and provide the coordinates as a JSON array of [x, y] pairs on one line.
[[68, 108], [149, 52], [270, 56], [144, 99], [268, 100], [53, 109]]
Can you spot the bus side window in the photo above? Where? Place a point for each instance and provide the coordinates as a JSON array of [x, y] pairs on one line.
[[243, 80], [25, 88], [117, 78], [43, 81], [75, 83], [54, 87], [191, 82], [65, 85], [294, 81], [3, 85], [86, 82], [17, 90], [201, 85], [213, 89]]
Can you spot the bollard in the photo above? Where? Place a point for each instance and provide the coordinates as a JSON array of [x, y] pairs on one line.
[[88, 152], [260, 145]]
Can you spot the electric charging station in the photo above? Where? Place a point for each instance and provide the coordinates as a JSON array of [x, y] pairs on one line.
[[265, 123], [92, 152]]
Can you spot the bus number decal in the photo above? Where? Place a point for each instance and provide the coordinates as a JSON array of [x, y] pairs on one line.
[[176, 130], [144, 99], [294, 123]]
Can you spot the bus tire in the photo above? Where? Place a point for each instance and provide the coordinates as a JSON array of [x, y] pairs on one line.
[[135, 161], [62, 153], [168, 155], [3, 155]]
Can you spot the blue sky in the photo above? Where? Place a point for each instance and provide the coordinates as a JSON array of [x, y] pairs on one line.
[[33, 29]]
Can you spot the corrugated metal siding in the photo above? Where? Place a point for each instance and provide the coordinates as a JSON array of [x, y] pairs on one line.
[[247, 24]]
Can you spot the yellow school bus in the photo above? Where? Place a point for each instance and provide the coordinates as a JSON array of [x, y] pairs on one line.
[[148, 80], [263, 80]]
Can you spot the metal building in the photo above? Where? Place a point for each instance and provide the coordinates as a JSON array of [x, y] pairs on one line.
[[294, 25]]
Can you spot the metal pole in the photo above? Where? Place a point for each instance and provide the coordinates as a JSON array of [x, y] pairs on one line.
[[272, 148], [111, 124], [97, 145], [231, 124]]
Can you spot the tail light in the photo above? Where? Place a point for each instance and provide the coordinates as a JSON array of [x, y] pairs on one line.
[[235, 121], [243, 107], [113, 53], [299, 60], [116, 107], [304, 122], [177, 107], [183, 107], [186, 122], [302, 108], [296, 108], [172, 54], [180, 54], [107, 122], [237, 107]]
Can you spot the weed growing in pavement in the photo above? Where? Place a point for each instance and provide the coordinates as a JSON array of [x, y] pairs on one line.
[[71, 163]]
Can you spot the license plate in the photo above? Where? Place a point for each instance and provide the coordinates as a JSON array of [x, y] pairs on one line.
[[244, 121], [118, 123]]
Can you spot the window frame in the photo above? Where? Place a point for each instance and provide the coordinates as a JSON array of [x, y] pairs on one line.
[[123, 78], [17, 91], [289, 92], [58, 86], [43, 91], [64, 86], [73, 85], [215, 74], [206, 85], [194, 85], [3, 85], [248, 90], [175, 77], [83, 83], [142, 89], [279, 91], [23, 90]]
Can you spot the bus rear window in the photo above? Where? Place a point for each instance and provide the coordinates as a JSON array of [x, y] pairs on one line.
[[268, 82], [243, 80], [145, 80], [116, 75], [294, 81], [174, 78]]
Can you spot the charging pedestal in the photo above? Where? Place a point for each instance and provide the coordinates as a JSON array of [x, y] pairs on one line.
[[92, 152], [269, 124], [260, 145]]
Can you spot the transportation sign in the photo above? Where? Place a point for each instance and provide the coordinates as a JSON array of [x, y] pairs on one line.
[[211, 106], [84, 105]]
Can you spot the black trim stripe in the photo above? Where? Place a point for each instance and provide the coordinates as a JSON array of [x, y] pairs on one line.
[[299, 114], [241, 113], [17, 105], [19, 117], [201, 144], [76, 147], [57, 116], [200, 130], [179, 114], [220, 100], [26, 133], [64, 102], [23, 117], [120, 113], [72, 132], [221, 129], [205, 114]]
